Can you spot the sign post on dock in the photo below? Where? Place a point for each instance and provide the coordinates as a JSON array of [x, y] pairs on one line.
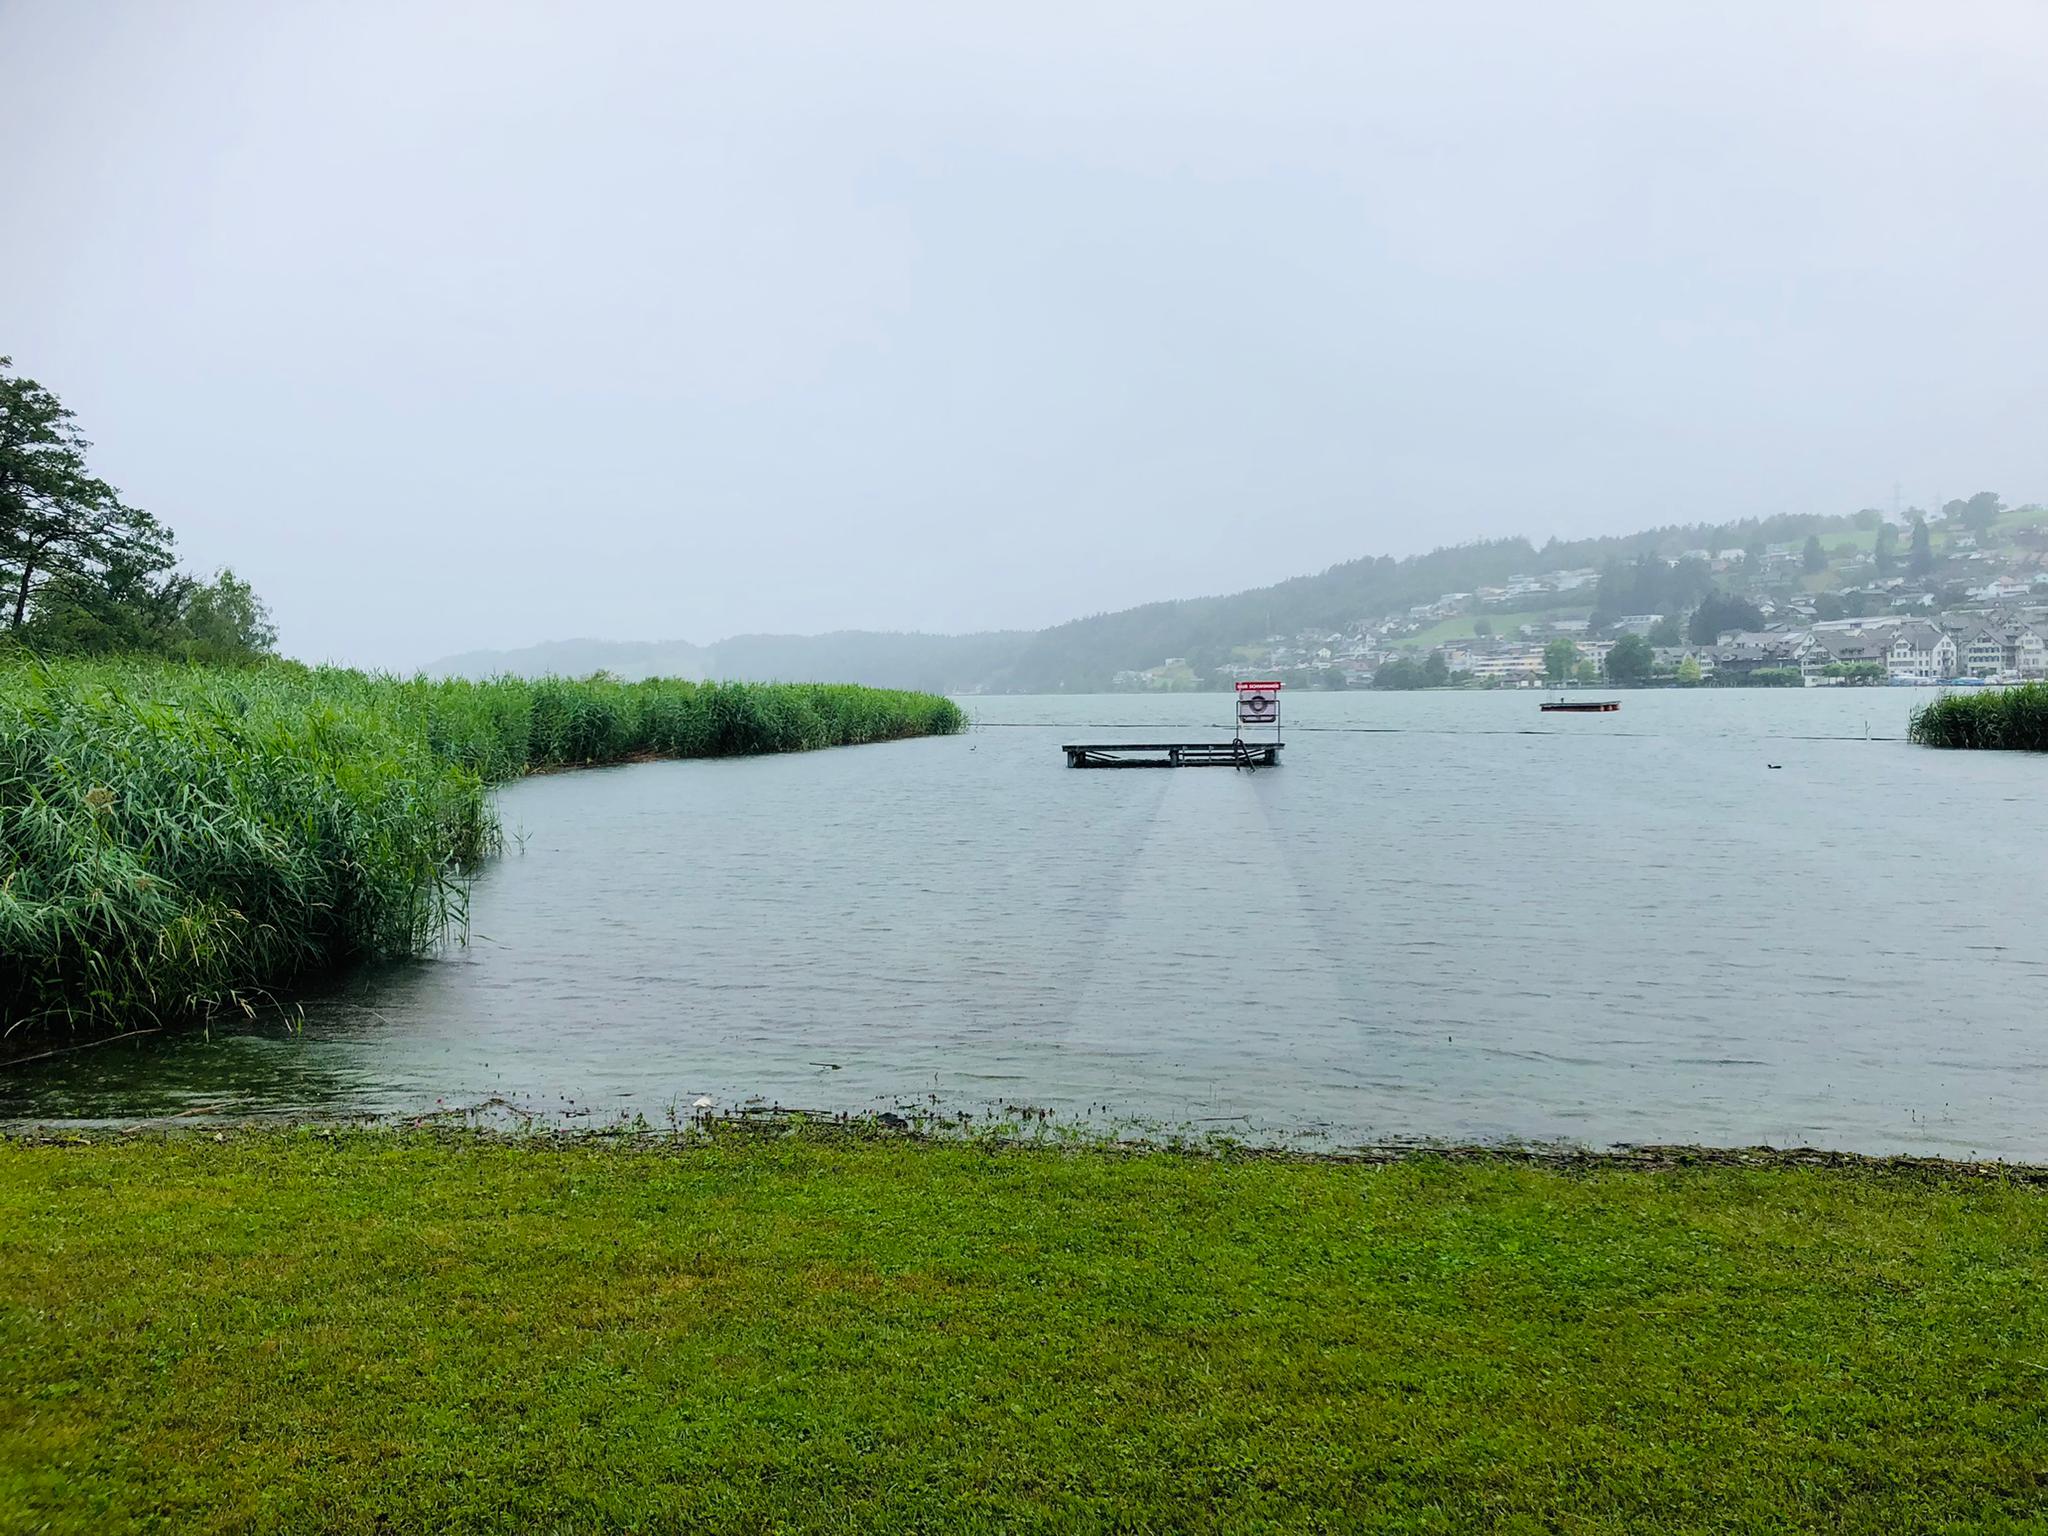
[[1258, 708]]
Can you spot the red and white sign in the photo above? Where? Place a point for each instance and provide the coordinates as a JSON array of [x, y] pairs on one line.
[[1258, 703]]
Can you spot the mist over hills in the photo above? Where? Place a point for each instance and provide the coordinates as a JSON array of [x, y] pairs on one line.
[[1085, 654], [933, 663]]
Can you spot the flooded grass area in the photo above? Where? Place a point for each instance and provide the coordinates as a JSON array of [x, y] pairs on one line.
[[795, 1329]]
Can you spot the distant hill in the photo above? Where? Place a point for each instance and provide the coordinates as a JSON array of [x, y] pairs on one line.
[[1084, 655], [934, 663], [629, 659]]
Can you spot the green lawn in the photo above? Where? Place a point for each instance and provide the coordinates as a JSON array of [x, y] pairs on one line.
[[1504, 625], [295, 1331]]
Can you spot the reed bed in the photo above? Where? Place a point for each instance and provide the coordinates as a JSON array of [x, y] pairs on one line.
[[184, 841], [2011, 719]]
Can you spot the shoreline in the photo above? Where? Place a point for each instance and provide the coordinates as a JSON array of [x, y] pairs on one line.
[[704, 1131]]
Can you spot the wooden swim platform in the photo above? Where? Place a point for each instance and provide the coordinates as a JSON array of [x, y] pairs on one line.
[[1172, 754]]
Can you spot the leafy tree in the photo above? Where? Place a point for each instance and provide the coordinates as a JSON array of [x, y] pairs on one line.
[[1720, 613], [1401, 673], [1649, 586], [1869, 518], [125, 608], [1558, 657], [225, 621], [56, 519], [1630, 660], [1483, 628], [1436, 671], [1586, 671], [1667, 631], [1827, 605], [1887, 551], [1920, 563], [1979, 512], [1813, 558], [1689, 671]]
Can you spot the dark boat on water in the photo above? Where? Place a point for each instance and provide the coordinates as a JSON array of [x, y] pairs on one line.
[[1579, 706]]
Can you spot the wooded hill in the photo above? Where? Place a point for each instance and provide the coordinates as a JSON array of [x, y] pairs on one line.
[[1084, 655]]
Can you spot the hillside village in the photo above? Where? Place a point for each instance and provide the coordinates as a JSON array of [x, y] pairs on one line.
[[1955, 594]]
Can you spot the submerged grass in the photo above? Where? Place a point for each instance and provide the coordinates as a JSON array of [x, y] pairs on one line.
[[390, 1332], [2014, 719], [177, 840]]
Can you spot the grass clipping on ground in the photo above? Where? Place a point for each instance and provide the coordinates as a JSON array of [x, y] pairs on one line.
[[400, 1332]]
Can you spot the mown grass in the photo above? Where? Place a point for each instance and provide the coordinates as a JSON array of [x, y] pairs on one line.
[[176, 841], [362, 1331], [2014, 719], [1506, 625]]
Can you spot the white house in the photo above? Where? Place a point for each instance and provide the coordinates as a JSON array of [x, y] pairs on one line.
[[1983, 652], [1921, 652]]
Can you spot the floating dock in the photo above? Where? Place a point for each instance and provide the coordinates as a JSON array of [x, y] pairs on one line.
[[1580, 706], [1172, 754]]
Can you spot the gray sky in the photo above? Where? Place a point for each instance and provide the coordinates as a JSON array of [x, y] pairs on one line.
[[471, 325]]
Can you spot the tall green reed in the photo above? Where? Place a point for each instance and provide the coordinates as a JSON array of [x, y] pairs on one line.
[[180, 841], [1998, 718]]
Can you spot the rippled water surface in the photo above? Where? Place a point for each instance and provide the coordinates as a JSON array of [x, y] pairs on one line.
[[1445, 917]]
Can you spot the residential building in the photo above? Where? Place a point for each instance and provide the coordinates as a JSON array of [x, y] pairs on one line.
[[1514, 664], [1739, 654], [1669, 658], [1922, 652], [1982, 652], [1848, 648]]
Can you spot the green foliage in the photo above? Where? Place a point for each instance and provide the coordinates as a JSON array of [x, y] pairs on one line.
[[1559, 656], [1886, 551], [1979, 514], [1667, 631], [57, 520], [1762, 677], [1401, 674], [1586, 671], [1630, 660], [81, 574], [1688, 672], [126, 610], [1854, 671], [1920, 562], [1813, 559], [1436, 671], [1648, 585], [225, 621], [1719, 613], [2013, 719], [321, 1330], [180, 840]]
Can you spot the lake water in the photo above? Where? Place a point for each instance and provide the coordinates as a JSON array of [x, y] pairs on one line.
[[1445, 917]]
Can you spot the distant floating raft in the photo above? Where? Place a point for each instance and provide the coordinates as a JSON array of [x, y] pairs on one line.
[[1579, 706], [1172, 754]]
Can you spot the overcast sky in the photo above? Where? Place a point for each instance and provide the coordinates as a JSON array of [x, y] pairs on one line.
[[456, 326]]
